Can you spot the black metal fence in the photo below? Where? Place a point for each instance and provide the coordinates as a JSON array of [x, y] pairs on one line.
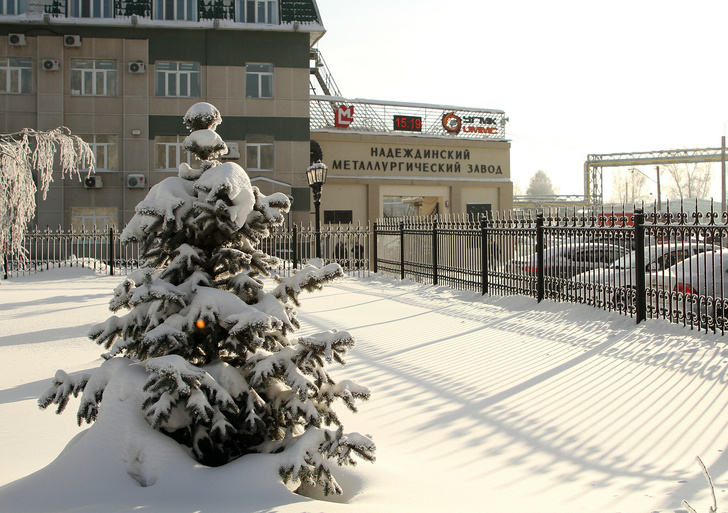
[[666, 265], [658, 265], [103, 251]]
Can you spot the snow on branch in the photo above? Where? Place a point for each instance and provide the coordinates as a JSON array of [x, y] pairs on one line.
[[305, 462], [64, 385], [22, 154]]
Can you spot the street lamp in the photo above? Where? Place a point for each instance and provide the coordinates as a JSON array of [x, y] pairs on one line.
[[316, 176]]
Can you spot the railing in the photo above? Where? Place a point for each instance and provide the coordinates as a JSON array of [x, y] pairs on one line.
[[587, 258], [141, 8], [399, 117], [102, 251], [659, 265]]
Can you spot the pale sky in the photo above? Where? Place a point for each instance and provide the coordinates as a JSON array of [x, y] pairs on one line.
[[574, 77]]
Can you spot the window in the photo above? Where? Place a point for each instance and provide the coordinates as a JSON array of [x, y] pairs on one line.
[[12, 6], [258, 11], [181, 79], [259, 81], [183, 10], [16, 76], [90, 219], [91, 8], [259, 154], [94, 78], [106, 151], [337, 217], [169, 152]]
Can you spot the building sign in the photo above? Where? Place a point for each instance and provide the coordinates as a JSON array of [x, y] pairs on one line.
[[344, 116], [454, 124], [404, 161]]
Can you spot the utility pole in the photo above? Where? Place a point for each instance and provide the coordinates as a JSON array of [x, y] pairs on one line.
[[659, 198]]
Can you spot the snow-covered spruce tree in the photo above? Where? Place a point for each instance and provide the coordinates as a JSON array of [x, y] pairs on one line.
[[21, 153], [224, 378]]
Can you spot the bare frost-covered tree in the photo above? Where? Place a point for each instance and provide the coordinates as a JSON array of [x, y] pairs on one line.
[[21, 155], [629, 186], [687, 180], [540, 185]]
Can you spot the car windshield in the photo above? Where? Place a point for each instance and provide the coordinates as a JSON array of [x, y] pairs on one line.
[[626, 262]]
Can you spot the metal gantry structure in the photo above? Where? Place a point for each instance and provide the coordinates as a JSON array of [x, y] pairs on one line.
[[593, 167]]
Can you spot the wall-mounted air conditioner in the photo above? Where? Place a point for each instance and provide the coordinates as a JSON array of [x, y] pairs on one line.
[[72, 41], [137, 67], [233, 151], [93, 182], [16, 39], [136, 181], [51, 64]]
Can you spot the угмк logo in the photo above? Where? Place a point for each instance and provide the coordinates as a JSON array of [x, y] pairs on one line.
[[452, 122]]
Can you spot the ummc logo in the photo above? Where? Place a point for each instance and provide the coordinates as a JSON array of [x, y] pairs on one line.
[[452, 122], [473, 124]]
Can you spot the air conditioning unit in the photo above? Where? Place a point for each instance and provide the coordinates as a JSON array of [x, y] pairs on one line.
[[93, 182], [16, 39], [137, 67], [72, 41], [136, 181], [51, 64], [233, 151]]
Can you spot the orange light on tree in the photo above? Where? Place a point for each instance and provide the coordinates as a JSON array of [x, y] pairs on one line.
[[200, 323]]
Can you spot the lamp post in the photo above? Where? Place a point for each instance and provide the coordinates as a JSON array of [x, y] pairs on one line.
[[316, 176]]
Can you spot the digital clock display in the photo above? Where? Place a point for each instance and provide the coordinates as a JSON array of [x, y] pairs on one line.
[[408, 123]]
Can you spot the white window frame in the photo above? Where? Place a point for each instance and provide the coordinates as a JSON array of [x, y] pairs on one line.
[[175, 10], [174, 152], [16, 75], [106, 152], [258, 148], [92, 8], [263, 12], [11, 7], [100, 79], [258, 75], [172, 81]]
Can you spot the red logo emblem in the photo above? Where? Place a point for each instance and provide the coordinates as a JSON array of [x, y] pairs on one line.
[[344, 116], [452, 122]]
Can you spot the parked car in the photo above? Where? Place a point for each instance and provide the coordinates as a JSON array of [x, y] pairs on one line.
[[615, 284], [569, 259], [698, 288]]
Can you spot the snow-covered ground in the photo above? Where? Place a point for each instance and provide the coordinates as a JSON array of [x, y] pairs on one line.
[[478, 404]]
